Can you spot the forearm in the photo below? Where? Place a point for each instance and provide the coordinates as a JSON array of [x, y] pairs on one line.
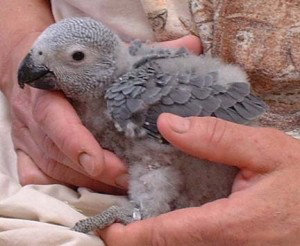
[[21, 22]]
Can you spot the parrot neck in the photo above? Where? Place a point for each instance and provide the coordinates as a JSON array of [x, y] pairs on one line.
[[124, 61]]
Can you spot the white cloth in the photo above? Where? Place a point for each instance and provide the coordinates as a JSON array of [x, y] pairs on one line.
[[42, 214], [148, 20], [126, 17]]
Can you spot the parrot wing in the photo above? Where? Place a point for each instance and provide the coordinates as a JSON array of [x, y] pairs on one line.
[[137, 98]]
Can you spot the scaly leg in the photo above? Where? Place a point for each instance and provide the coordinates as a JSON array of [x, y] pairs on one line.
[[106, 218]]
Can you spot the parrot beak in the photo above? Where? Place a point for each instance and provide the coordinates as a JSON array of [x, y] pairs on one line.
[[36, 76]]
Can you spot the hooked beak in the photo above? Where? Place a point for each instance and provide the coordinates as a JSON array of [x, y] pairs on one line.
[[36, 76]]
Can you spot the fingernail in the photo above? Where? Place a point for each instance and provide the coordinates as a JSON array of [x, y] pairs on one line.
[[122, 181], [87, 162], [178, 124]]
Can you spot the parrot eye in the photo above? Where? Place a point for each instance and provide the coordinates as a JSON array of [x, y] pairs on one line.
[[78, 56], [40, 53]]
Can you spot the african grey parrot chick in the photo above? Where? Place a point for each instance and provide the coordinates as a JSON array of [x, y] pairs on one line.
[[119, 92]]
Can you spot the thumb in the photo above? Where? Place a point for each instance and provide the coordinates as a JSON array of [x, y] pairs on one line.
[[192, 226], [190, 42], [28, 171], [224, 142]]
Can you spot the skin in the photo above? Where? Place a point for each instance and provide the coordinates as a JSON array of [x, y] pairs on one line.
[[263, 209], [45, 127], [264, 206]]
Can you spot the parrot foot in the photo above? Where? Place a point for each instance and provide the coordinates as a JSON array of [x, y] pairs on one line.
[[106, 218]]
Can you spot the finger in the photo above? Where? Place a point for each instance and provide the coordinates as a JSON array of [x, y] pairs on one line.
[[220, 141], [50, 149], [59, 120], [26, 132], [225, 220], [68, 175], [190, 42], [245, 179], [29, 173], [191, 226], [50, 170], [53, 152], [57, 117]]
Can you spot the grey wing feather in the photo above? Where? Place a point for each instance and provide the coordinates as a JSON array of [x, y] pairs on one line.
[[255, 107], [134, 105], [146, 92], [230, 114], [211, 104], [166, 100], [238, 91], [201, 93], [227, 100], [243, 111], [218, 89], [180, 96]]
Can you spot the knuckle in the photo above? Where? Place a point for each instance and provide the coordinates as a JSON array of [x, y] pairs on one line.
[[28, 176], [50, 148], [16, 107], [158, 238], [66, 141], [26, 180], [264, 138], [41, 112], [20, 112], [18, 131], [50, 167], [19, 101], [270, 133], [269, 142], [215, 131], [58, 171]]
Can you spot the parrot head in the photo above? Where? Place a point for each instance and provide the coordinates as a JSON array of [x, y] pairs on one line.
[[72, 52]]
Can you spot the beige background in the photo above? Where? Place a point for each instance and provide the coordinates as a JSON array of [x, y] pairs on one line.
[[262, 36]]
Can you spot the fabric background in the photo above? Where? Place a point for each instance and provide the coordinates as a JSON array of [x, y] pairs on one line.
[[43, 214]]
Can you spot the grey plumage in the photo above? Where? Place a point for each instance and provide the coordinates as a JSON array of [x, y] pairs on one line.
[[120, 91]]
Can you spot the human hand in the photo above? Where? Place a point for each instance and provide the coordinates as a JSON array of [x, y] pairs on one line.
[[51, 141], [190, 42], [264, 207]]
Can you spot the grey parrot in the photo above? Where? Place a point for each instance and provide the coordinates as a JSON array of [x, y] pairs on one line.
[[120, 90]]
